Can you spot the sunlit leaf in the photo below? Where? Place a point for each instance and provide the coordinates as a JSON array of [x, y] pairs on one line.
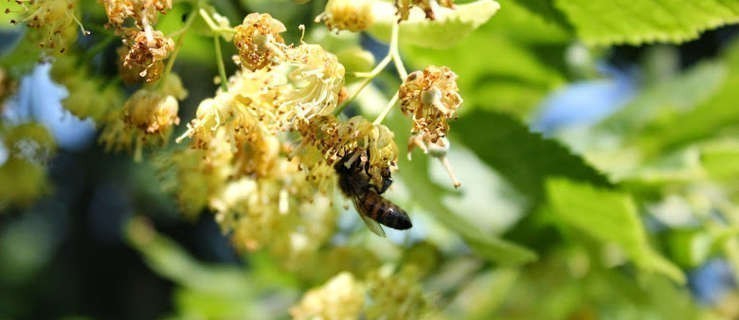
[[643, 21], [609, 216], [526, 159], [448, 29]]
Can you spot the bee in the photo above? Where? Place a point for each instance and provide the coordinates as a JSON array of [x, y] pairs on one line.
[[354, 182]]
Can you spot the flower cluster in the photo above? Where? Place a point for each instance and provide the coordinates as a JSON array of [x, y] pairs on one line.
[[404, 7], [340, 298], [430, 98], [140, 12], [145, 49], [383, 295], [259, 190], [335, 139], [147, 117], [258, 41], [53, 23], [352, 15]]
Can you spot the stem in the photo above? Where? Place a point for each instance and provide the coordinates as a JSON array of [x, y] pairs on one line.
[[180, 37], [219, 62], [389, 107], [95, 49], [395, 53], [392, 55]]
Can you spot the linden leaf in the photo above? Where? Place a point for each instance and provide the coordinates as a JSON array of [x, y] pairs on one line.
[[610, 217], [448, 29], [640, 21]]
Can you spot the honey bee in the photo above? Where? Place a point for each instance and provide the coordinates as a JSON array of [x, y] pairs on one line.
[[354, 182]]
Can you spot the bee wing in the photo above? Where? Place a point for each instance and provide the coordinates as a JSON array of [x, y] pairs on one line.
[[371, 224]]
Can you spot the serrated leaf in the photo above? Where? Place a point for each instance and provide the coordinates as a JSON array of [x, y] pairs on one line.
[[644, 21], [609, 216], [448, 29], [525, 158]]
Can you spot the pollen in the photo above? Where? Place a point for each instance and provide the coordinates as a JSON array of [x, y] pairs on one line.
[[143, 55], [430, 98], [258, 41]]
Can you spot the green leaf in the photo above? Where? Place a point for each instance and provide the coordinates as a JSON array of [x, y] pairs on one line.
[[684, 91], [448, 29], [427, 195], [610, 217], [721, 160], [643, 21], [680, 128], [544, 9], [526, 159], [522, 55]]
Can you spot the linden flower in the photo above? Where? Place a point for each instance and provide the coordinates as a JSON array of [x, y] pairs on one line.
[[352, 15], [430, 97], [315, 79], [397, 295], [144, 54], [53, 21], [258, 40], [147, 117], [341, 298], [404, 7], [275, 212], [373, 144], [142, 12]]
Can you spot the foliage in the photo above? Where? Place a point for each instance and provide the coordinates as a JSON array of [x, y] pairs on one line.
[[272, 131]]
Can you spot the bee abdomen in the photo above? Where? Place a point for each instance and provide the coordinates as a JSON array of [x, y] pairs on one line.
[[386, 212]]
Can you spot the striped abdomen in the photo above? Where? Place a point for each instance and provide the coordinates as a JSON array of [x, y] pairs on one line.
[[383, 211]]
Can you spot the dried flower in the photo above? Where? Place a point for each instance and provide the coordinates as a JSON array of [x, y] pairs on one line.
[[352, 15], [143, 55], [258, 40], [430, 97], [142, 12]]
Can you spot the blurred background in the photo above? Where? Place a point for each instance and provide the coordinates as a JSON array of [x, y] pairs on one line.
[[107, 240]]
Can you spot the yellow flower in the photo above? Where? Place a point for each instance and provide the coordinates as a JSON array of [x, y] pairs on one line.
[[404, 7], [374, 144], [341, 298], [430, 97], [53, 23], [352, 15], [142, 12], [143, 55], [258, 40]]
